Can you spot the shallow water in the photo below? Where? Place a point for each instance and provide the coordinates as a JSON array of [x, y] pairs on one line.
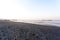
[[45, 22]]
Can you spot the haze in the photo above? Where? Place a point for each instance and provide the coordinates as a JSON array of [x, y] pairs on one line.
[[29, 9]]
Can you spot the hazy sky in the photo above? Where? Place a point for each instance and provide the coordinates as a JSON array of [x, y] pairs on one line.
[[29, 9]]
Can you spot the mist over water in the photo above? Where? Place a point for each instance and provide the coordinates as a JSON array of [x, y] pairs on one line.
[[42, 22]]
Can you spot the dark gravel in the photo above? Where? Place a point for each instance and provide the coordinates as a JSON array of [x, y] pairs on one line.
[[24, 31]]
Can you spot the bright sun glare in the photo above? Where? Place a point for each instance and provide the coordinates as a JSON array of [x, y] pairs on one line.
[[11, 9]]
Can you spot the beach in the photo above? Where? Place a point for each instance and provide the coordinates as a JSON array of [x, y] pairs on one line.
[[10, 30]]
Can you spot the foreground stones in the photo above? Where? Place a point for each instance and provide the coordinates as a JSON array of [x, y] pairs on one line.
[[25, 31]]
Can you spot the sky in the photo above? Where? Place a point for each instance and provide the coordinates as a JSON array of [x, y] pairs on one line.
[[29, 9]]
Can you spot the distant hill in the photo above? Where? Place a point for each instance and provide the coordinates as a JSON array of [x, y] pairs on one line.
[[10, 30]]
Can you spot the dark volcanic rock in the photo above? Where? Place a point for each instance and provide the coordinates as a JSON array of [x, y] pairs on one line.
[[23, 31]]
